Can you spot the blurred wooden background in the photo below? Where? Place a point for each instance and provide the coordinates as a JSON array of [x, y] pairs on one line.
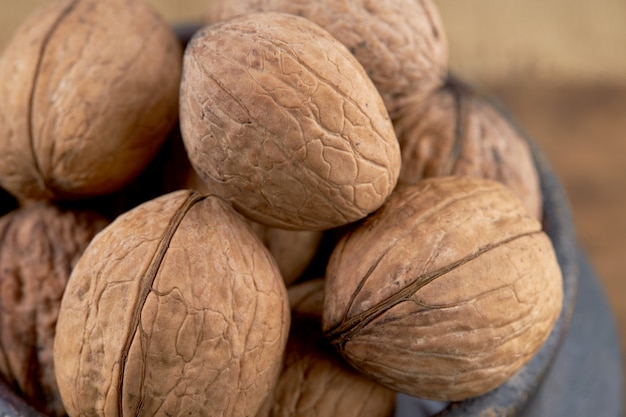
[[559, 66]]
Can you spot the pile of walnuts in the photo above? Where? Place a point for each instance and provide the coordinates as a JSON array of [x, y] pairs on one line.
[[300, 212]]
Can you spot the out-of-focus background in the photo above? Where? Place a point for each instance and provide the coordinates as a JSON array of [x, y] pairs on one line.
[[559, 66]]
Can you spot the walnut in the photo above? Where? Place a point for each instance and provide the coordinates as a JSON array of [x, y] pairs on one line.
[[306, 299], [401, 44], [446, 291], [88, 92], [457, 131], [315, 381], [280, 119], [293, 250], [39, 246], [176, 308]]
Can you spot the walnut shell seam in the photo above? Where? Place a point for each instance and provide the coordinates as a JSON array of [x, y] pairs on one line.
[[341, 333]]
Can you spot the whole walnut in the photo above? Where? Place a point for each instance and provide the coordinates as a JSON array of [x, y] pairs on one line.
[[39, 246], [88, 92], [446, 291], [401, 44], [281, 120], [457, 131], [315, 381], [174, 309]]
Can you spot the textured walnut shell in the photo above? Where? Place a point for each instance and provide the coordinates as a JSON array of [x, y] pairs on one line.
[[280, 119], [446, 291], [315, 381], [39, 246], [88, 92], [456, 131], [174, 309], [401, 44], [293, 250]]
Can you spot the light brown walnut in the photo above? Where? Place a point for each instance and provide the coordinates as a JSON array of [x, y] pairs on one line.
[[401, 44], [446, 291], [457, 131], [88, 93], [293, 250], [281, 120], [315, 381], [39, 246], [175, 309]]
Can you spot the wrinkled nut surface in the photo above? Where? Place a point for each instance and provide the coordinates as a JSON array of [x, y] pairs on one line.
[[280, 119], [401, 44], [446, 291], [293, 250], [88, 92], [174, 309], [456, 131], [39, 246], [315, 381]]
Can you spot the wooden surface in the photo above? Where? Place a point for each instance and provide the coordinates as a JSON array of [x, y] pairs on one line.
[[559, 66]]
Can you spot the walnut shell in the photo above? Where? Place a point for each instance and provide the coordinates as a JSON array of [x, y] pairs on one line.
[[401, 44], [39, 246], [446, 291], [175, 309], [293, 250], [280, 119], [315, 381], [88, 92], [456, 131]]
